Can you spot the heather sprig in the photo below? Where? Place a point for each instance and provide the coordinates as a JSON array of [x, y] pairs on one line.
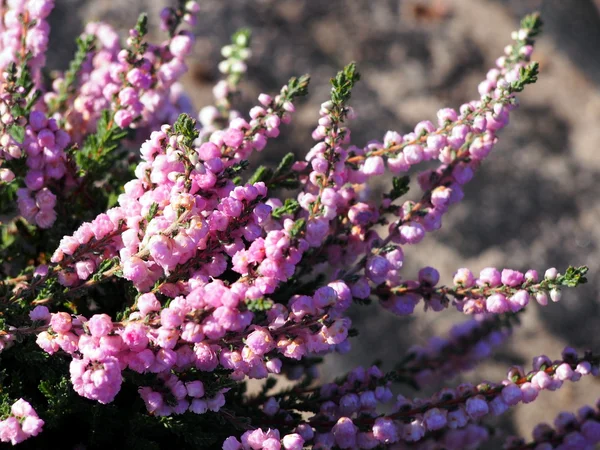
[[148, 275]]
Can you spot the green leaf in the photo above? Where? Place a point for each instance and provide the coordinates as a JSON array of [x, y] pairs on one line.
[[399, 187], [85, 45], [242, 37], [298, 227], [285, 165], [186, 127], [142, 25], [573, 277], [289, 207], [533, 23], [17, 132], [259, 305], [262, 173], [296, 87], [152, 211], [527, 75], [342, 84]]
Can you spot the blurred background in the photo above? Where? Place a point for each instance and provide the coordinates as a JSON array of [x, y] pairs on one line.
[[535, 203]]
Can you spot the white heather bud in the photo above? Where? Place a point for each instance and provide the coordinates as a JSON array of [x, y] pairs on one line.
[[551, 274], [503, 84], [227, 51], [225, 67], [6, 175], [238, 67], [542, 298], [245, 53], [241, 40], [15, 151], [555, 295]]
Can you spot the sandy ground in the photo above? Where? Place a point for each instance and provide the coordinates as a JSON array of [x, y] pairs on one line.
[[534, 204]]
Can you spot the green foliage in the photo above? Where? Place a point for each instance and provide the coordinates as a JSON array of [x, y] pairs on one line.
[[241, 38], [283, 177], [259, 304], [298, 227], [399, 187], [186, 126], [142, 25], [152, 211], [296, 87], [98, 152], [573, 277], [342, 84], [85, 45], [289, 208], [261, 174], [17, 132], [527, 75], [533, 23], [22, 89]]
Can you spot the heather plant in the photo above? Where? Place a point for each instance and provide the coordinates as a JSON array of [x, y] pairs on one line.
[[147, 274]]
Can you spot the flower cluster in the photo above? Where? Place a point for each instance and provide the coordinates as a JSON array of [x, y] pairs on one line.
[[136, 85], [22, 423], [571, 431], [153, 289]]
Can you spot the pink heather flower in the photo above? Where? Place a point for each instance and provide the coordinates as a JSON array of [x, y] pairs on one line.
[[147, 303], [551, 274], [429, 275], [171, 318], [233, 137], [123, 118], [195, 388], [541, 380], [477, 407], [564, 372], [293, 442], [512, 394], [435, 419], [542, 298], [47, 342], [45, 200], [377, 268], [231, 443], [411, 233], [413, 431], [45, 218], [344, 432], [100, 325], [464, 277], [529, 392], [100, 381], [385, 430], [512, 277], [11, 431], [260, 341], [373, 166], [32, 425], [21, 408], [40, 313], [60, 322], [519, 300], [181, 45], [498, 406], [497, 303], [490, 276]]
